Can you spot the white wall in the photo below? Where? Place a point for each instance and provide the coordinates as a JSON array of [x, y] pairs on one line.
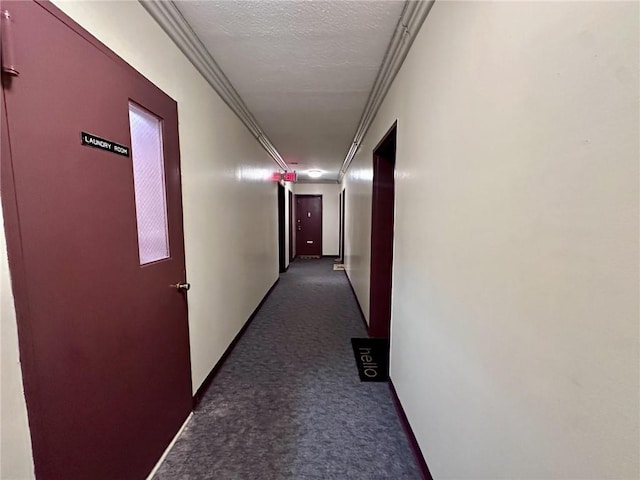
[[357, 224], [515, 303], [330, 212], [230, 204]]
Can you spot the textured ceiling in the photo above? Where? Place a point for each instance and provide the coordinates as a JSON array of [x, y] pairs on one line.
[[303, 68]]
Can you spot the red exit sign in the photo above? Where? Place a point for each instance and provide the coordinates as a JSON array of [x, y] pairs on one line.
[[286, 176]]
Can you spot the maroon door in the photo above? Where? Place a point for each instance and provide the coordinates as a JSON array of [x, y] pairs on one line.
[[382, 211], [103, 340], [309, 225]]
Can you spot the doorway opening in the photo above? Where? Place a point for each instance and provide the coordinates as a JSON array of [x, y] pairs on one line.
[[292, 246], [309, 225], [343, 197], [282, 258], [382, 214]]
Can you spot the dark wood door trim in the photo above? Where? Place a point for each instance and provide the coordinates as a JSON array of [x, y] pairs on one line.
[[387, 137], [343, 197], [292, 246], [382, 219], [415, 447], [281, 229]]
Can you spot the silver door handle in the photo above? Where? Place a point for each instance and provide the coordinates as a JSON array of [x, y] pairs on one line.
[[182, 286]]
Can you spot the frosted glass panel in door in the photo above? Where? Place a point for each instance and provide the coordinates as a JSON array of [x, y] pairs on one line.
[[148, 178]]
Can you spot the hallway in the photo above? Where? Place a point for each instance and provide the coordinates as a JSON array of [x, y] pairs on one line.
[[154, 155], [288, 402]]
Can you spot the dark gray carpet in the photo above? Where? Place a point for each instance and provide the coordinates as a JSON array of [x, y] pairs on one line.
[[288, 403]]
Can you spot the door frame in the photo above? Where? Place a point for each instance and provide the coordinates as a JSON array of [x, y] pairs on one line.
[[282, 261], [382, 222], [343, 194], [292, 238], [310, 195]]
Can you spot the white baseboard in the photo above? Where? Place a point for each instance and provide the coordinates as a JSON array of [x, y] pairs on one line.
[[169, 447]]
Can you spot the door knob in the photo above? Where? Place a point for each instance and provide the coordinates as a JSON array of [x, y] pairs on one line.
[[182, 286]]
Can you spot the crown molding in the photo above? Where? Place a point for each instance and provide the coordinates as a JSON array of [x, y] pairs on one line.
[[413, 16], [167, 15]]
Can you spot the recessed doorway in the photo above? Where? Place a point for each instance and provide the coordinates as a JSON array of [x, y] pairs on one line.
[[282, 258], [343, 197], [309, 225], [382, 216]]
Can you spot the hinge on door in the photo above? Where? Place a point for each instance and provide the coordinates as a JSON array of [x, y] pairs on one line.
[[6, 48]]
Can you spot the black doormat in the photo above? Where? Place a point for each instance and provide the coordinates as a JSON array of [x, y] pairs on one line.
[[372, 358]]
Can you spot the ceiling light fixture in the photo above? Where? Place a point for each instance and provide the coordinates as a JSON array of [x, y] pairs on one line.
[[315, 173]]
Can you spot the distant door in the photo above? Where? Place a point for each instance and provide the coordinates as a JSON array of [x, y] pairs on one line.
[[282, 259], [309, 225], [382, 213], [96, 250]]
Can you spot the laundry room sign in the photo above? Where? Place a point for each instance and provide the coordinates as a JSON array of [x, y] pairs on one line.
[[103, 144]]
